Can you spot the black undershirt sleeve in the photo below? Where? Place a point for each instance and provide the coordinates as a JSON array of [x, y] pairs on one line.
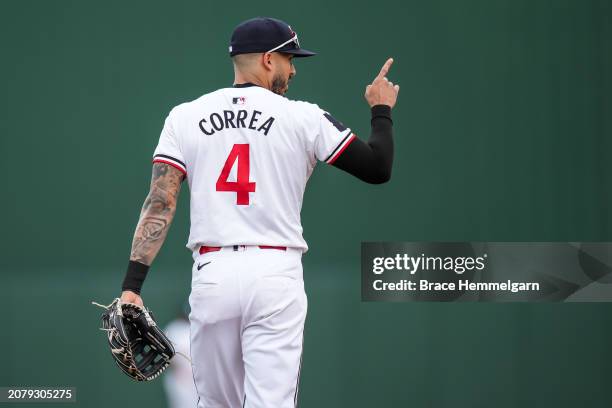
[[371, 161]]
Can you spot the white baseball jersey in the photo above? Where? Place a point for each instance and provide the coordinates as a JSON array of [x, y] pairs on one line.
[[248, 153]]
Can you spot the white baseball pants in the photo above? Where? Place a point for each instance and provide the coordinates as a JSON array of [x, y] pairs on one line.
[[248, 308]]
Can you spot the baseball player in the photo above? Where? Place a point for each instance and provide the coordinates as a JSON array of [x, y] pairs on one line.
[[247, 152]]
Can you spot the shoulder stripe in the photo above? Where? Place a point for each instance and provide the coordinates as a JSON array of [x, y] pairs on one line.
[[170, 162], [337, 147], [171, 158], [340, 149]]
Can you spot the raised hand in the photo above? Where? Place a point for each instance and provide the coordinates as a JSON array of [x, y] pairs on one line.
[[382, 91]]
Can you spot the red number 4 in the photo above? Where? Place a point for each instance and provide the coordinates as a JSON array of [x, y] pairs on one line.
[[242, 186]]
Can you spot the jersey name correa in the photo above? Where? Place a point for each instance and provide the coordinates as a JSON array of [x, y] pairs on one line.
[[247, 154]]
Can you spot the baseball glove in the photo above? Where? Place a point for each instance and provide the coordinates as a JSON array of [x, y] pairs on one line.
[[138, 346]]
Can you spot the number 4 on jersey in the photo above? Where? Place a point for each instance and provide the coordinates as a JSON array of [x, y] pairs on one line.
[[242, 186]]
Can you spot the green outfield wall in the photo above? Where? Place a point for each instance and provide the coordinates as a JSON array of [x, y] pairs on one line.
[[503, 132]]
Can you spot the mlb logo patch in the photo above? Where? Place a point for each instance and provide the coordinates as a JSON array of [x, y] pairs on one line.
[[241, 100]]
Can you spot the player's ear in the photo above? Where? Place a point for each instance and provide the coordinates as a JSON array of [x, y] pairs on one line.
[[267, 60]]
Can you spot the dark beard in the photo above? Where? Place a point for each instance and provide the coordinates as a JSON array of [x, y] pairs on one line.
[[278, 85]]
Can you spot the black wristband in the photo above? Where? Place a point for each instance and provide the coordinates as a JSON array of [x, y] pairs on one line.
[[135, 276], [381, 111]]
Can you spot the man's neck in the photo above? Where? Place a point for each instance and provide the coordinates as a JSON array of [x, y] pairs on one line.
[[249, 79]]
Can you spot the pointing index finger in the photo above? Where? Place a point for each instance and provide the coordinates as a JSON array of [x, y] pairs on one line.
[[385, 68]]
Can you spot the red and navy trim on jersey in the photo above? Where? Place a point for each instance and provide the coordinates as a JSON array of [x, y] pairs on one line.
[[340, 148], [163, 158]]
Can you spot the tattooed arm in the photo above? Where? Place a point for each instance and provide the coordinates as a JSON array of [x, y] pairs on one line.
[[155, 218], [157, 213]]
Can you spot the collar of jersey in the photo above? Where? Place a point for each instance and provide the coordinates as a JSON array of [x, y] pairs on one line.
[[245, 85]]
